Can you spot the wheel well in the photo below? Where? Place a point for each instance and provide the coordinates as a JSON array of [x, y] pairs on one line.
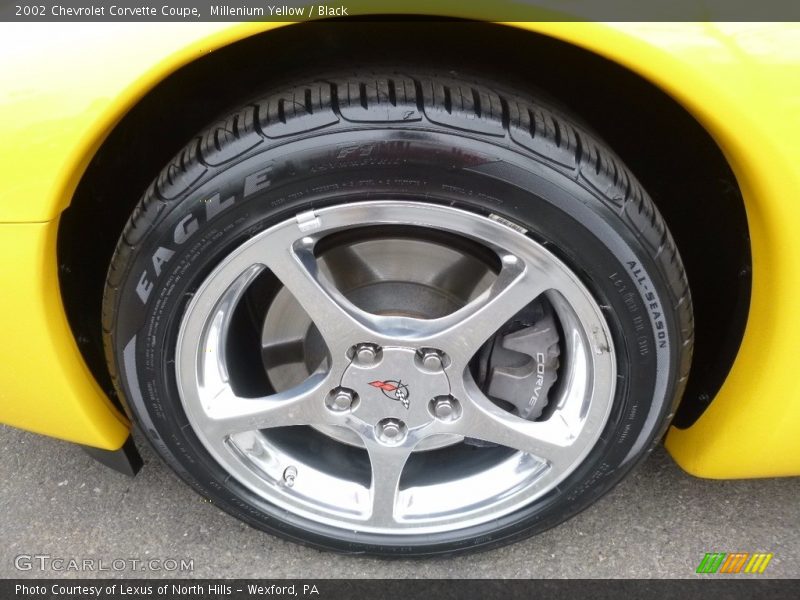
[[685, 171]]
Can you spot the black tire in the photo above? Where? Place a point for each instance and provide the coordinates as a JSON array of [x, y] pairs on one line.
[[418, 135]]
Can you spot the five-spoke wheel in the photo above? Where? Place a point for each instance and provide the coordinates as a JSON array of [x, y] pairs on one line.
[[395, 376]]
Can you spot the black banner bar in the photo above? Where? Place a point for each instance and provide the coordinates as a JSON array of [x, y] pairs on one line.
[[418, 589], [487, 10]]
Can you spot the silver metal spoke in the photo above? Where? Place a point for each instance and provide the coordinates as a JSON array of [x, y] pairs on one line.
[[463, 332], [550, 440], [387, 464], [226, 413], [340, 322]]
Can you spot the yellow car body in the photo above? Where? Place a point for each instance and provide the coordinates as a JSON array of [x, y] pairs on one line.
[[59, 100]]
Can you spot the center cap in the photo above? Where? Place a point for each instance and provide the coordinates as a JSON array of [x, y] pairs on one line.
[[396, 383]]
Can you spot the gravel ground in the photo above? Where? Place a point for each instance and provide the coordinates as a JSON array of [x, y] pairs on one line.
[[659, 522]]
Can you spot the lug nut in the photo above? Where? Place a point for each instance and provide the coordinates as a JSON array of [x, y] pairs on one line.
[[391, 431], [366, 355], [445, 408], [341, 399], [431, 360]]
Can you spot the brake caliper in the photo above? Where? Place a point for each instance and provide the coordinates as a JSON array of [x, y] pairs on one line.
[[523, 365]]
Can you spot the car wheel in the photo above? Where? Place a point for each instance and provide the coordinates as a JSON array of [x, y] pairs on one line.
[[400, 313]]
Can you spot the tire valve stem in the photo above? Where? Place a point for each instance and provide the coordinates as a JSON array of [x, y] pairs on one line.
[[289, 476]]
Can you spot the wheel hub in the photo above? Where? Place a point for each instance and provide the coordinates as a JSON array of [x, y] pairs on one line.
[[396, 384]]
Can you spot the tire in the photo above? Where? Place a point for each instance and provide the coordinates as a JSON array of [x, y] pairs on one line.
[[409, 208]]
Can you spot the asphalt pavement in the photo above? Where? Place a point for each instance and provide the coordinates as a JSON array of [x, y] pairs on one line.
[[56, 502]]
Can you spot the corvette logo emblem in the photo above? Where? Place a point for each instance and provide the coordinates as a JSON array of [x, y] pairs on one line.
[[394, 390]]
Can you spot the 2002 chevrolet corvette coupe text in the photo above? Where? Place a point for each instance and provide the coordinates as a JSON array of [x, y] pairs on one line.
[[434, 296]]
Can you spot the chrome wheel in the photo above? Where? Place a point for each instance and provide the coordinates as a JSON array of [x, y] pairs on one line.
[[375, 411]]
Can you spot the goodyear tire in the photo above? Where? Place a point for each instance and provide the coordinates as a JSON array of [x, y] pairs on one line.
[[316, 312]]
